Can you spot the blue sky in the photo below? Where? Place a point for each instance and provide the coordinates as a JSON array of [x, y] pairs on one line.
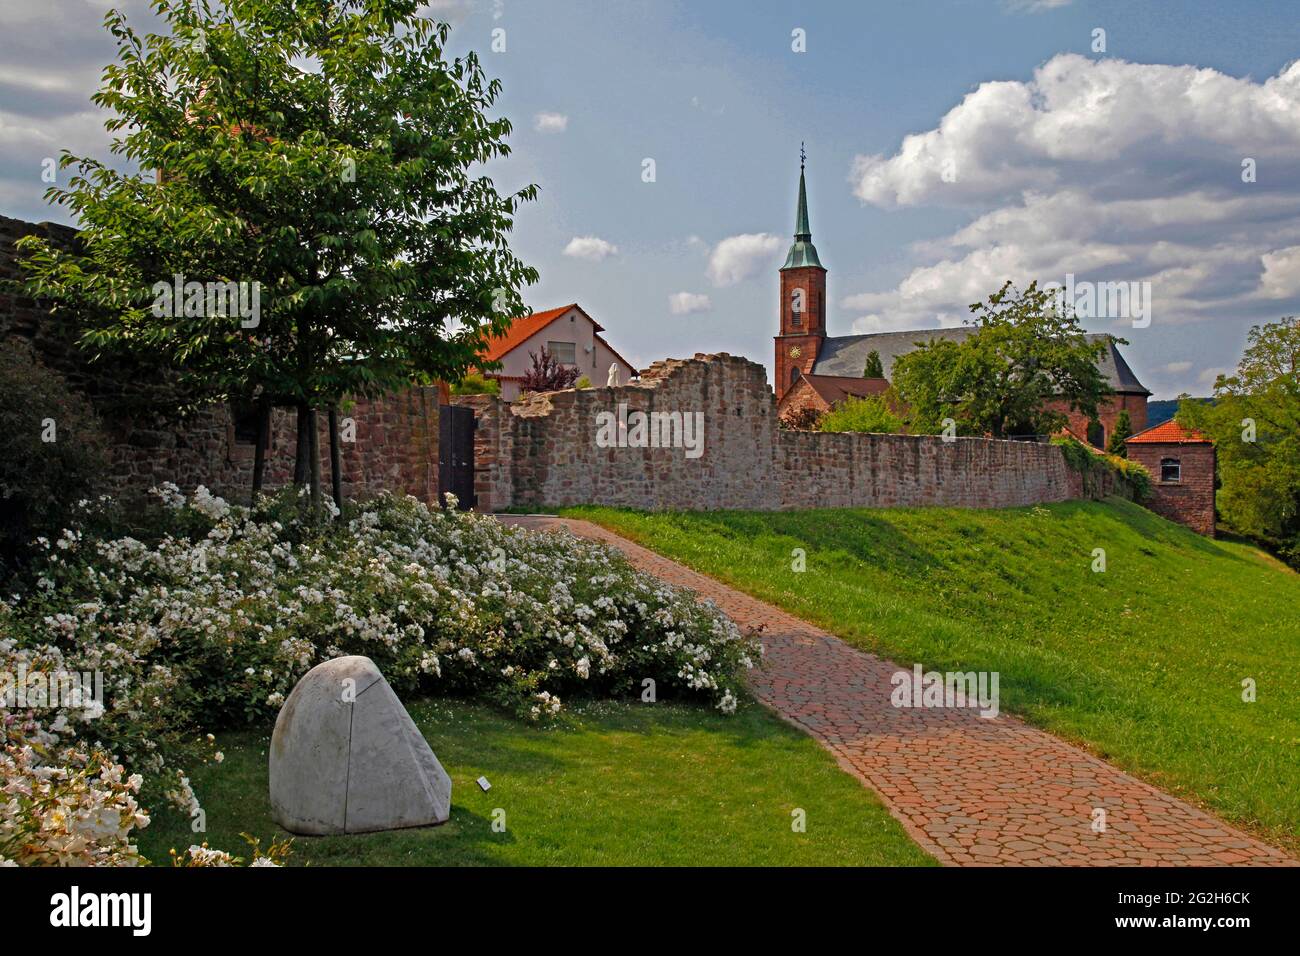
[[1114, 166]]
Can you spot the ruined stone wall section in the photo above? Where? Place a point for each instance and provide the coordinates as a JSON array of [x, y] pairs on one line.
[[543, 452]]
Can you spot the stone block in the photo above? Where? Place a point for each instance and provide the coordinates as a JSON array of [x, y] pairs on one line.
[[347, 758]]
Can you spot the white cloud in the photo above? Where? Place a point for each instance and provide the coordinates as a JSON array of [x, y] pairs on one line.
[[550, 122], [1111, 171], [684, 303], [454, 12], [1034, 6], [1281, 276], [590, 248], [736, 258], [1207, 376], [1177, 368]]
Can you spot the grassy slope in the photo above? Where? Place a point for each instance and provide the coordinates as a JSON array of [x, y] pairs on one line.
[[619, 784], [1143, 663]]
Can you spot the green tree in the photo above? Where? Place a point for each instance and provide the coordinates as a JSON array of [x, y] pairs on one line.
[[1025, 358], [1123, 429], [52, 452], [873, 367], [325, 150], [1255, 422]]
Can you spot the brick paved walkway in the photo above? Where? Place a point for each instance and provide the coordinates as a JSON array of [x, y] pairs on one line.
[[971, 791]]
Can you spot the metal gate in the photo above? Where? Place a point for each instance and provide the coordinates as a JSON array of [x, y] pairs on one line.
[[456, 453]]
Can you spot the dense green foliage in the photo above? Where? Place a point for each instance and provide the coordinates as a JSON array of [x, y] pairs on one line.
[[322, 152], [876, 413], [1123, 430], [1255, 422], [873, 368], [1023, 354], [209, 624], [476, 383], [615, 784], [52, 451], [1089, 463], [1144, 662]]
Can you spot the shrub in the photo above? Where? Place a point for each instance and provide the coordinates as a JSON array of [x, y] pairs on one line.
[[545, 374], [873, 414], [802, 419], [212, 624], [475, 383], [1089, 463], [52, 450], [583, 382]]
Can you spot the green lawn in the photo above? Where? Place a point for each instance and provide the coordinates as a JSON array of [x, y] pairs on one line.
[[1143, 663], [617, 784]]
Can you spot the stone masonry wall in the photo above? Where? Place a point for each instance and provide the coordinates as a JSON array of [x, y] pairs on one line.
[[396, 446], [543, 452]]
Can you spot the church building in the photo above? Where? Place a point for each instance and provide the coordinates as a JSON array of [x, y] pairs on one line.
[[816, 370]]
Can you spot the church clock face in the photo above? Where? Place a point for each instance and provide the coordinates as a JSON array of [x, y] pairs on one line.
[[795, 352]]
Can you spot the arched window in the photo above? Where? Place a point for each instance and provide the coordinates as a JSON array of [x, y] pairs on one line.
[[1096, 434], [794, 375], [796, 307], [1171, 469]]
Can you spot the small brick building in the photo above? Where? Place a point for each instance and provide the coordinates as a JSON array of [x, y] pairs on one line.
[[1182, 465]]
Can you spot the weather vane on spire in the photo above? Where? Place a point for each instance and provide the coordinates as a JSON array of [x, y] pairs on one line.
[[802, 156]]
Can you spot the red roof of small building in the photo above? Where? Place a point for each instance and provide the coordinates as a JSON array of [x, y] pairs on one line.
[[1168, 433], [524, 328], [834, 389]]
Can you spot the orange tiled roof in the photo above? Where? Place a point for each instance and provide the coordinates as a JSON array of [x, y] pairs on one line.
[[1166, 433], [524, 328]]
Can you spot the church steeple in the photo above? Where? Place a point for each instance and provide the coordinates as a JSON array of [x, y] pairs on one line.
[[803, 300], [802, 251]]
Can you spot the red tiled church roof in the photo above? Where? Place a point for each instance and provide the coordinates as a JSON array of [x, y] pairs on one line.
[[1167, 433], [833, 389]]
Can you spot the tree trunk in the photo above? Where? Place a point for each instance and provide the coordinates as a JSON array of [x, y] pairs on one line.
[[314, 445], [302, 449], [259, 453], [336, 460]]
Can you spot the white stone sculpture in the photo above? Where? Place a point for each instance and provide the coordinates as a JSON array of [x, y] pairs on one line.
[[347, 758]]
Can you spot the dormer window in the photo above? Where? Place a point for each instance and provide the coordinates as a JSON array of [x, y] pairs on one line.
[[1171, 470]]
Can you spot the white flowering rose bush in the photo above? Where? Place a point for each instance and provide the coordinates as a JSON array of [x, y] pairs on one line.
[[209, 619]]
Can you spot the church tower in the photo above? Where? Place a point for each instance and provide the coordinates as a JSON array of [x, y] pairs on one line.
[[803, 300]]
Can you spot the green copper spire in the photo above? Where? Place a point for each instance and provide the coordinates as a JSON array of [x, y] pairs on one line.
[[802, 252]]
